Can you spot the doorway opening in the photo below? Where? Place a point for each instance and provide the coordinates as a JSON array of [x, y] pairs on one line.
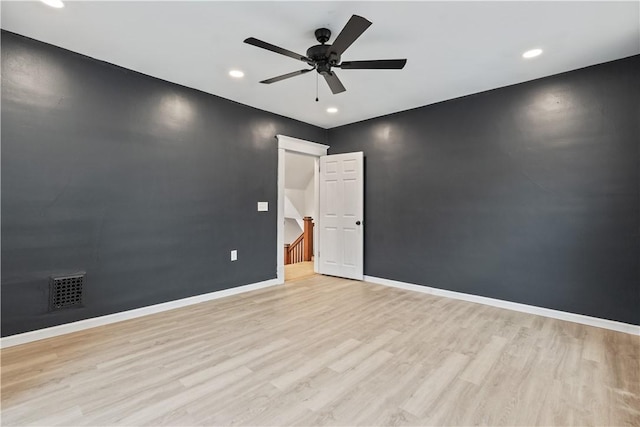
[[299, 212], [298, 199]]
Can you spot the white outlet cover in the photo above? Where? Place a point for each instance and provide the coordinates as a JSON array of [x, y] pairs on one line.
[[234, 255], [263, 206]]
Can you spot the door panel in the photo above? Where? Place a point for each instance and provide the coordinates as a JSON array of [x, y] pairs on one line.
[[331, 244], [332, 198], [341, 225]]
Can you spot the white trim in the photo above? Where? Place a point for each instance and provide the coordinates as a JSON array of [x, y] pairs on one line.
[[301, 146], [67, 328], [280, 216], [81, 325], [287, 143], [524, 308], [316, 212]]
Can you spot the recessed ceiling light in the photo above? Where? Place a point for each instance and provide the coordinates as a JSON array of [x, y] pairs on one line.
[[532, 53], [236, 73], [332, 110], [53, 3]]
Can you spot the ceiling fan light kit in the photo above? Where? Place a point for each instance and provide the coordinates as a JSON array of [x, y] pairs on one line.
[[323, 57]]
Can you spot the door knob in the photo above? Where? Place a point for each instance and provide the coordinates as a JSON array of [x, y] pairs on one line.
[[357, 222]]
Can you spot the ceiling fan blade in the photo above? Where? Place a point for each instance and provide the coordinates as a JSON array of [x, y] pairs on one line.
[[286, 76], [334, 83], [354, 29], [273, 48], [380, 64]]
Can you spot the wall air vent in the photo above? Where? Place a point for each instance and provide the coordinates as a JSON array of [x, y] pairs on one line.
[[66, 291]]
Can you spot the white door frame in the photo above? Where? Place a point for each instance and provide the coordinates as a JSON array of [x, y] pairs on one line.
[[295, 145]]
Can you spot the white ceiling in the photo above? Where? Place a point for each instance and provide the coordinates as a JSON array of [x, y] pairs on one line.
[[453, 48], [298, 170]]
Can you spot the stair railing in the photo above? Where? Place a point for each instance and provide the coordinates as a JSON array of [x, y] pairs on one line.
[[300, 249]]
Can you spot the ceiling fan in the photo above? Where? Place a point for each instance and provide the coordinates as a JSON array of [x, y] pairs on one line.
[[324, 56]]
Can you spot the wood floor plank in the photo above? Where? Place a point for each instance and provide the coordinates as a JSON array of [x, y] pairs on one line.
[[327, 351], [483, 361], [348, 381], [314, 364], [299, 270], [355, 357], [435, 384]]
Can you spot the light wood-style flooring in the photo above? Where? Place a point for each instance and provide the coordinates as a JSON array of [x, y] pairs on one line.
[[299, 270], [327, 351]]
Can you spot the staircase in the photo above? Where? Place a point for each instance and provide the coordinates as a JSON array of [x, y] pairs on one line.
[[302, 248]]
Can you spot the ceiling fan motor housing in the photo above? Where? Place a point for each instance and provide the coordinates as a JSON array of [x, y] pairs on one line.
[[323, 58]]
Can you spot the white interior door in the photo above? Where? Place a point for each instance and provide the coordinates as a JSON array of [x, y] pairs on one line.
[[341, 223]]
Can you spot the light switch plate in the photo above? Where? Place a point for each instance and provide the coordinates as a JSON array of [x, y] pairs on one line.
[[263, 206], [234, 255]]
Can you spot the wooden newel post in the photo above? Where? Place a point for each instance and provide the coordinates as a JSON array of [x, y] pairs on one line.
[[308, 238], [287, 254]]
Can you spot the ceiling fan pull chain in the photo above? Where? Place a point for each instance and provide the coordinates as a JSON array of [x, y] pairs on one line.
[[316, 87]]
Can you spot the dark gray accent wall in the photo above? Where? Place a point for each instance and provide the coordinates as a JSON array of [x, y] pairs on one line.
[[528, 193], [143, 184]]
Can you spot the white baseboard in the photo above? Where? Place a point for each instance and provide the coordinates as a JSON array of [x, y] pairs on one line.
[[80, 325], [531, 309]]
